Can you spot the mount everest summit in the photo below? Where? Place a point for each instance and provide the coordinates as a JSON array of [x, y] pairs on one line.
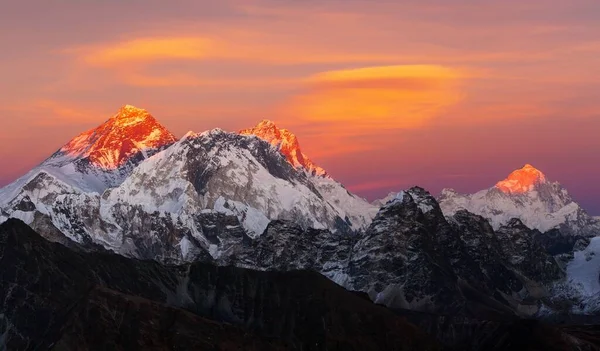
[[253, 199], [102, 157]]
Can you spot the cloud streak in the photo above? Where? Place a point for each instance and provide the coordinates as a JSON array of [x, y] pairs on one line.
[[391, 97], [148, 50]]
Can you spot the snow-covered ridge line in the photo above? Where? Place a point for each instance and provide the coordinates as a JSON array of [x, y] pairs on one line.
[[287, 143], [223, 172], [522, 180]]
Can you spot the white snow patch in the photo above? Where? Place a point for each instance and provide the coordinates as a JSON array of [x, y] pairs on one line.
[[583, 272], [425, 208], [253, 220], [26, 217], [185, 245]]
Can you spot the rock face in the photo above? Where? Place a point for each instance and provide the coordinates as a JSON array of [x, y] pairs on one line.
[[412, 257], [558, 243], [526, 254], [349, 206], [287, 143], [528, 195], [285, 246], [53, 297]]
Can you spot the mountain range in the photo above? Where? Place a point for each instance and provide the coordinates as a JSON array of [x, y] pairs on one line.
[[252, 199], [57, 298]]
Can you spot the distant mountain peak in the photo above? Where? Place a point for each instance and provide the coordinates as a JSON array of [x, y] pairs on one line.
[[522, 180], [286, 142], [528, 195], [130, 114], [130, 131], [267, 123]]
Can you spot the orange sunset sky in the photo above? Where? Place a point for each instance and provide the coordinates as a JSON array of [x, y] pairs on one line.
[[382, 94]]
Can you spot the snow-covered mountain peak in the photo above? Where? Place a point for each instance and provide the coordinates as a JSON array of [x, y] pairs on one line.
[[109, 146], [129, 115], [105, 156], [529, 196], [215, 131], [242, 176], [267, 125], [522, 180], [448, 192], [287, 143], [424, 200]]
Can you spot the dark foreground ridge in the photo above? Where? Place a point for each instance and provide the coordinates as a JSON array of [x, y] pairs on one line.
[[55, 297], [59, 299]]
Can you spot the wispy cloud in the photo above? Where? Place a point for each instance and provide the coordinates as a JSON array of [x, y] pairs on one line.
[[48, 112], [389, 97], [147, 50], [153, 61]]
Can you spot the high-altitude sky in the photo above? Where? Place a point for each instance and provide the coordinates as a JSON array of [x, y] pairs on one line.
[[384, 94]]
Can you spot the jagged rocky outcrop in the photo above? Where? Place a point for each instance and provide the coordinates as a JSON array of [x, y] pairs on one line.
[[524, 252], [558, 243], [397, 263], [413, 257], [285, 246]]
